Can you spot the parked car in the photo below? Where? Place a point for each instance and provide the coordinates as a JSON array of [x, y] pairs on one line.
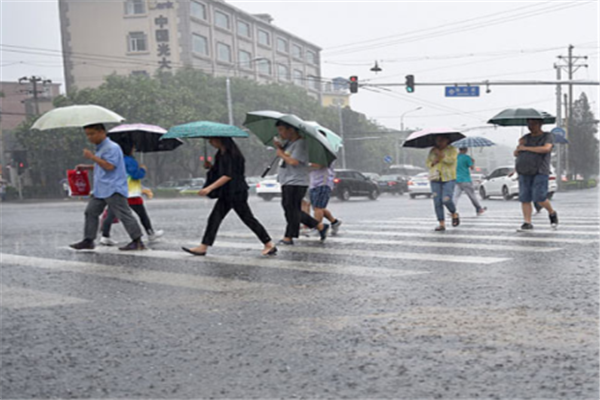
[[504, 181], [419, 185], [268, 188], [372, 176], [392, 184], [477, 178], [348, 183], [252, 181]]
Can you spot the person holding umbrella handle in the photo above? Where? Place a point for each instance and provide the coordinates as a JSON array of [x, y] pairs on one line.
[[226, 182], [294, 179]]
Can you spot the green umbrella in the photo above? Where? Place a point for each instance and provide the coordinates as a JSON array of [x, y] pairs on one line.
[[519, 117], [335, 141], [204, 129], [320, 150], [76, 117]]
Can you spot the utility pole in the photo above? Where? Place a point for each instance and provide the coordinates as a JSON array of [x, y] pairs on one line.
[[34, 80], [343, 149], [559, 123], [571, 66]]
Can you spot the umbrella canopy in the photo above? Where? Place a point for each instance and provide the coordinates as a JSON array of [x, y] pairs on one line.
[[519, 117], [473, 141], [76, 117], [145, 138], [320, 150], [335, 141], [426, 137], [204, 129]]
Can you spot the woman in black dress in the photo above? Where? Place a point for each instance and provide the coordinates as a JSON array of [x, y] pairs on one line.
[[226, 182]]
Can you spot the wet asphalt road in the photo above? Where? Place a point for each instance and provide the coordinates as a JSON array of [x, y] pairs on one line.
[[387, 309]]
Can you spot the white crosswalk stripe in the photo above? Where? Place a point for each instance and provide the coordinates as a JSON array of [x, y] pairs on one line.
[[590, 228]]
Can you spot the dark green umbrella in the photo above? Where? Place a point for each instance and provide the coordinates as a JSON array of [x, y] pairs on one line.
[[519, 117], [320, 150], [204, 129]]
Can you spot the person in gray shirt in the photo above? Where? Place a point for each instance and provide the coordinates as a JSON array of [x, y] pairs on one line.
[[533, 166], [294, 179]]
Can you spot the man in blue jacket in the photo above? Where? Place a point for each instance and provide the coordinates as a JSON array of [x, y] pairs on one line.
[[110, 188]]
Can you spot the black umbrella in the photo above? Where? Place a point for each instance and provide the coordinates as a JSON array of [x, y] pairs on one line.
[[145, 138]]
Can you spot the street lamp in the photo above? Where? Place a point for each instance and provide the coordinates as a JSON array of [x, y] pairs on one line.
[[228, 87], [402, 130]]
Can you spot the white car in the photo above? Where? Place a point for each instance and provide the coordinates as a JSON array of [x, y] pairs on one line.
[[419, 185], [504, 181], [268, 188]]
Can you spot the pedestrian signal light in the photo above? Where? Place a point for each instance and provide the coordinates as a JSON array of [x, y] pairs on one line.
[[354, 84], [410, 83]]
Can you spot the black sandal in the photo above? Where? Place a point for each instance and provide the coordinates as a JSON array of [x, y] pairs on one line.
[[271, 252], [193, 252], [455, 220]]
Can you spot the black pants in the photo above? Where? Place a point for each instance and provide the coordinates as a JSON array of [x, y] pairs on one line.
[[239, 204], [291, 201], [139, 209]]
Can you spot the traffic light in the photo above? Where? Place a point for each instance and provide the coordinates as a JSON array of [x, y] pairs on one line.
[[410, 83], [354, 84], [20, 159]]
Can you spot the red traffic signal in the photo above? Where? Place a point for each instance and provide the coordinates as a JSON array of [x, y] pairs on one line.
[[353, 84]]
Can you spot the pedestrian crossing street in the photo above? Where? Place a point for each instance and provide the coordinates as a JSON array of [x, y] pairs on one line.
[[396, 248]]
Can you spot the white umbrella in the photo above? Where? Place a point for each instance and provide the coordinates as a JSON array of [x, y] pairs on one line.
[[76, 117]]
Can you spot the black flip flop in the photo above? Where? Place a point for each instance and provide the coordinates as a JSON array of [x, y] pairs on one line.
[[271, 252], [193, 252], [455, 221]]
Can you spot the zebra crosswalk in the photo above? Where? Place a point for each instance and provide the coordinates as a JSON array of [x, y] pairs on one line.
[[395, 248]]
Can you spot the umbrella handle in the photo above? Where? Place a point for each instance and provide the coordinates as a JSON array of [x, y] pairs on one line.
[[269, 168]]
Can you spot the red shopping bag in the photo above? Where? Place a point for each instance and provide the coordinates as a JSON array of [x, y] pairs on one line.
[[79, 183]]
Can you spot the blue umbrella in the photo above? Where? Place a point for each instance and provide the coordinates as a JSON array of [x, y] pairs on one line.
[[560, 139], [473, 141]]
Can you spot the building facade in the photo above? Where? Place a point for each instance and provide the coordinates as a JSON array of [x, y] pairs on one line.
[[142, 36]]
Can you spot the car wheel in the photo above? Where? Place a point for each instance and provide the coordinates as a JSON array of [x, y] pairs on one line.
[[374, 194], [413, 196], [267, 197], [482, 193], [506, 193], [344, 194]]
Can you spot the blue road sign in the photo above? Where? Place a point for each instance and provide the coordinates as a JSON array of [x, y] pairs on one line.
[[387, 159], [559, 131], [462, 91]]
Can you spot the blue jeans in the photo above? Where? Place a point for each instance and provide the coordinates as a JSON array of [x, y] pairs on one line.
[[533, 188], [442, 196]]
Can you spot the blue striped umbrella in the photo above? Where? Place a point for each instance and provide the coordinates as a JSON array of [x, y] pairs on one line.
[[473, 141]]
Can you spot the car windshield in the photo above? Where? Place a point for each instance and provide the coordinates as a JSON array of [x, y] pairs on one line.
[[388, 178]]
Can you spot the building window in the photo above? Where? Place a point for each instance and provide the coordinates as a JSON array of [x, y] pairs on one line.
[[199, 44], [283, 72], [135, 7], [264, 38], [198, 10], [264, 67], [282, 45], [243, 29], [222, 20], [311, 57], [244, 59], [313, 82], [298, 77], [223, 52], [137, 42], [296, 51]]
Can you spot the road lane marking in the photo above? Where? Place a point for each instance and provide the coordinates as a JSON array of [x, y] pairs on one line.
[[515, 237], [18, 298], [132, 274], [487, 216], [397, 255], [271, 262], [592, 229], [472, 228]]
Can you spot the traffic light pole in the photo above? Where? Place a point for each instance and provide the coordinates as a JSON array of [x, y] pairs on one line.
[[488, 83]]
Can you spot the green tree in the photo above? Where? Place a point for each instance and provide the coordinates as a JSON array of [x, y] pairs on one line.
[[169, 99], [583, 140]]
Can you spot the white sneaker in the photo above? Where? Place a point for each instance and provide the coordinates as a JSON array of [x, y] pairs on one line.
[[155, 235], [335, 227], [107, 241]]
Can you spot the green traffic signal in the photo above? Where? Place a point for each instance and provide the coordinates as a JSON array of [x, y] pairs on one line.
[[410, 83]]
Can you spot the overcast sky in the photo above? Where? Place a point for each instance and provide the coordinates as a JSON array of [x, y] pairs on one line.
[[436, 41]]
